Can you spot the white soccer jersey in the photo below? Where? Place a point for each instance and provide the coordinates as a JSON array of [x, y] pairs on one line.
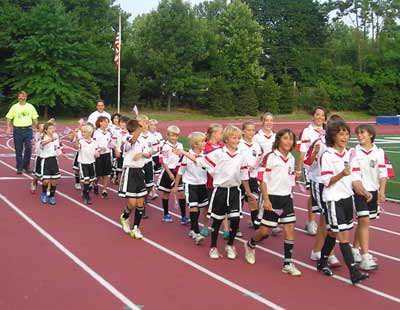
[[51, 149], [266, 142], [308, 136], [278, 173], [87, 151], [37, 139], [192, 173], [149, 142], [227, 170], [253, 154], [168, 157], [103, 139], [160, 141], [130, 151], [372, 166], [332, 163], [314, 168], [96, 114], [122, 138]]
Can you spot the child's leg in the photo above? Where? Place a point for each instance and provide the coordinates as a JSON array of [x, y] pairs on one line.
[[165, 197], [344, 239], [45, 184], [182, 203], [53, 186], [138, 212], [321, 234], [194, 219], [214, 235], [253, 206], [234, 228], [288, 243], [105, 182], [77, 177], [261, 233], [129, 206], [361, 238]]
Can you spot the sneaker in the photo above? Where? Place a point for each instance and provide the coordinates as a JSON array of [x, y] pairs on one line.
[[78, 186], [95, 189], [214, 254], [226, 234], [136, 233], [357, 276], [28, 170], [52, 200], [125, 224], [19, 171], [192, 234], [315, 256], [204, 232], [333, 262], [88, 200], [357, 255], [230, 251], [144, 215], [250, 254], [153, 195], [324, 268], [33, 188], [43, 197], [311, 228], [239, 234], [368, 262], [185, 220], [104, 195], [276, 230], [198, 239], [167, 218], [291, 269]]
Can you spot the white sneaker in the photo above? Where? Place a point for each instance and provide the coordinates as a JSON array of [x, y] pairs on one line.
[[214, 254], [291, 269], [239, 233], [334, 262], [136, 233], [198, 239], [230, 251], [125, 224], [78, 186], [250, 254], [315, 256], [276, 230], [368, 262], [153, 195], [311, 228], [192, 234], [357, 255]]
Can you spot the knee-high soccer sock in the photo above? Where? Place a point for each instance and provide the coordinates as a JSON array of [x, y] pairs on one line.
[[165, 206], [194, 221], [214, 234], [327, 248], [77, 178], [44, 188], [347, 255], [234, 229], [52, 190], [138, 216], [85, 190], [288, 250], [126, 213], [254, 215], [182, 205]]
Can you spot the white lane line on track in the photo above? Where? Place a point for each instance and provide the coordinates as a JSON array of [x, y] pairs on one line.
[[173, 254], [103, 282]]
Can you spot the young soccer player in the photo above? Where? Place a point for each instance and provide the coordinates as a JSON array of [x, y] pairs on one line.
[[88, 152], [194, 179], [309, 134], [153, 123], [371, 160], [337, 172], [170, 162], [122, 137], [37, 163], [132, 185], [50, 149], [265, 137], [74, 137], [115, 129], [253, 153], [115, 124], [277, 177]]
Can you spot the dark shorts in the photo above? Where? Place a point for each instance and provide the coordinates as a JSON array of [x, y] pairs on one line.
[[117, 163], [148, 174], [49, 168], [104, 165], [87, 172], [165, 184], [318, 205], [37, 168], [157, 166], [254, 188], [284, 213], [364, 208], [339, 215], [225, 201], [132, 183], [196, 196]]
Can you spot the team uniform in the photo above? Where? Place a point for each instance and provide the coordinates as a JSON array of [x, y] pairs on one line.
[[104, 162], [266, 142], [172, 160], [37, 162], [157, 167], [75, 163], [87, 159], [122, 136], [149, 142], [49, 152]]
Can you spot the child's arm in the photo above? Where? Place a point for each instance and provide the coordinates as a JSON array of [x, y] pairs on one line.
[[177, 180], [50, 139], [248, 192], [327, 172], [267, 205]]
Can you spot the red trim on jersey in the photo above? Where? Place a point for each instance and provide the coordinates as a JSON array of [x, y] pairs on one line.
[[326, 172], [268, 137], [210, 161], [298, 143], [340, 155], [356, 169], [249, 145], [284, 160], [366, 152], [243, 167], [231, 155], [381, 166]]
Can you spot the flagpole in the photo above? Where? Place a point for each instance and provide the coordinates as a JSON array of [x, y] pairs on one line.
[[119, 66]]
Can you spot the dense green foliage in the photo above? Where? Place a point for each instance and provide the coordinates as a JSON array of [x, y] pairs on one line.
[[233, 58]]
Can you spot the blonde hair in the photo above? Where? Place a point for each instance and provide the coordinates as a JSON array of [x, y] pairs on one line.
[[264, 116], [246, 124], [87, 128], [230, 131], [153, 122], [173, 130], [196, 137], [142, 117], [212, 128]]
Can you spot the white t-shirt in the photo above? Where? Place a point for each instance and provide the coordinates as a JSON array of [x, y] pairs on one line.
[[149, 143], [266, 142], [253, 154], [51, 149], [192, 173], [160, 142], [130, 150], [168, 157], [103, 139], [87, 151], [95, 115]]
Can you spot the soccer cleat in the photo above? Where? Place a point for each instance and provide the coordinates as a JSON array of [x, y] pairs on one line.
[[357, 276], [368, 262], [167, 218], [226, 234], [230, 251], [78, 186], [198, 239], [214, 254], [104, 195], [357, 255], [43, 197], [125, 224], [333, 262], [291, 269], [192, 234], [33, 188], [250, 254], [276, 230], [315, 256], [311, 228], [52, 200], [185, 220], [324, 268], [136, 233], [204, 232], [239, 233], [96, 189]]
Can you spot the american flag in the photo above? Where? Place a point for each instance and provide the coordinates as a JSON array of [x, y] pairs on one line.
[[116, 50]]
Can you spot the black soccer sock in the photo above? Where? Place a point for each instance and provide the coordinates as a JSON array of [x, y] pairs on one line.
[[52, 190], [194, 221], [234, 228], [182, 205], [254, 218], [127, 212], [214, 234], [252, 243], [77, 178], [85, 189], [44, 188], [347, 255], [327, 248], [138, 216], [288, 250], [165, 206]]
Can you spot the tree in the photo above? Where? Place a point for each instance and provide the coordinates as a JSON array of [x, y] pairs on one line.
[[247, 103], [131, 92], [268, 94], [221, 100], [287, 100]]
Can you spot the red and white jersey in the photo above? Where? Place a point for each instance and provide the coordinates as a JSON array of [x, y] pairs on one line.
[[192, 173], [103, 139], [332, 163], [122, 138], [160, 141], [130, 151], [114, 130], [209, 147], [51, 149], [226, 169], [308, 136], [265, 141], [168, 157], [277, 171], [253, 154], [373, 166], [149, 142], [36, 140], [313, 168], [87, 151]]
